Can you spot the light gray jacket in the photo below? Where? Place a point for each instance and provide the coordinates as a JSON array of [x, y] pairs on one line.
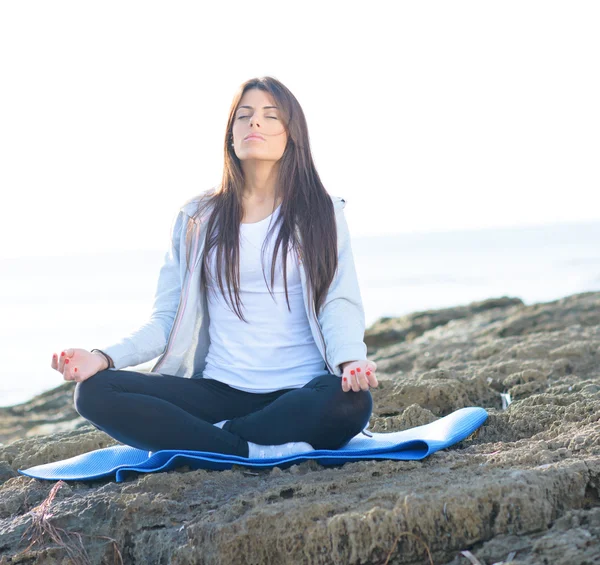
[[178, 327]]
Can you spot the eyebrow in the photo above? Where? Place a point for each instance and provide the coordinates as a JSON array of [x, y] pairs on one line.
[[250, 107]]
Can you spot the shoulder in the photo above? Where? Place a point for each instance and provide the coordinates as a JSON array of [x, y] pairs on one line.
[[338, 202], [192, 205]]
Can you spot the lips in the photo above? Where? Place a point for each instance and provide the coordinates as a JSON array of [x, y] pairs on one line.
[[254, 136]]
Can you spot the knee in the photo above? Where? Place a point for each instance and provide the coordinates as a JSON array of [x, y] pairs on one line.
[[87, 394], [355, 408]]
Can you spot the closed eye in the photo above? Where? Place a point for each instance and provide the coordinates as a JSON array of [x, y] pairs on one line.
[[268, 117]]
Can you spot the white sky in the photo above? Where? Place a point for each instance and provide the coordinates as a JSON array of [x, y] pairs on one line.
[[424, 116]]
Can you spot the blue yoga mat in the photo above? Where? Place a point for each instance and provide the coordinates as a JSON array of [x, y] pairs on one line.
[[118, 460]]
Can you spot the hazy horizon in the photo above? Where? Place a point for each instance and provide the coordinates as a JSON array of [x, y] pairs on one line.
[[101, 298], [457, 231]]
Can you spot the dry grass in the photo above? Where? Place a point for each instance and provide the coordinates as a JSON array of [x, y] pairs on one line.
[[41, 529], [414, 536]]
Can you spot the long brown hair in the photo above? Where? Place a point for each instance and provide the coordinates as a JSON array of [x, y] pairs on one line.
[[304, 203]]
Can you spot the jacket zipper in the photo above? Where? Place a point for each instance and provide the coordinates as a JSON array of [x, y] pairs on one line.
[[180, 309], [316, 318], [322, 338]]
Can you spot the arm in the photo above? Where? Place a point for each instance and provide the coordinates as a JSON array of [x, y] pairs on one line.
[[150, 340], [342, 316]]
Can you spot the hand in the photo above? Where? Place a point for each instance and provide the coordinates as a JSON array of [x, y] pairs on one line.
[[359, 375], [78, 364]]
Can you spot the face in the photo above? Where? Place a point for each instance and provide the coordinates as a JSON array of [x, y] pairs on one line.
[[256, 114]]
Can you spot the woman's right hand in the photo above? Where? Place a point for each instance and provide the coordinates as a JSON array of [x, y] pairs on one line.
[[78, 364]]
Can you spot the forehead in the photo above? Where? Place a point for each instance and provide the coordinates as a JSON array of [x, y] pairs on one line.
[[257, 98]]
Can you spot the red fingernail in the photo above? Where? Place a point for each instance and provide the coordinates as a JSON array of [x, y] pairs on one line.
[[358, 369], [75, 369], [62, 354], [351, 372], [345, 379], [54, 355], [66, 360], [368, 372]]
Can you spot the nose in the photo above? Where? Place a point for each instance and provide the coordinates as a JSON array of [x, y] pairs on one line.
[[253, 120]]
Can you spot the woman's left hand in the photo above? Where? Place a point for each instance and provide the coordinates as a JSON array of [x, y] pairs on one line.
[[359, 375]]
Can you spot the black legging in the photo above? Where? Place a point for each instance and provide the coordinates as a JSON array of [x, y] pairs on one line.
[[152, 411]]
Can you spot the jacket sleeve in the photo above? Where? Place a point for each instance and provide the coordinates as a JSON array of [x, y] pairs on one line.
[[150, 340], [342, 316]]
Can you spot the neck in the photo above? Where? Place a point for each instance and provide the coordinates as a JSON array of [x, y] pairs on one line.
[[260, 180]]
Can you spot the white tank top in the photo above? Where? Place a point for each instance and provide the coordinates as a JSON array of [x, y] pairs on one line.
[[275, 349]]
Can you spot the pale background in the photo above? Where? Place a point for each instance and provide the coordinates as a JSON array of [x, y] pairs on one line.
[[426, 117]]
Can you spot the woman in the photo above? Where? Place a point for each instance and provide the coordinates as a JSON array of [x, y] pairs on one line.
[[283, 370]]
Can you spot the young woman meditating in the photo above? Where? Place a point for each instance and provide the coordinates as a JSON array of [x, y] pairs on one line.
[[245, 366]]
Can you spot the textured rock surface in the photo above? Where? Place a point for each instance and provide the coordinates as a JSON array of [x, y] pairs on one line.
[[525, 488]]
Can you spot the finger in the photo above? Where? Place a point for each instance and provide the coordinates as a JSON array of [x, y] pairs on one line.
[[361, 378], [70, 361], [344, 383], [350, 378], [67, 370], [348, 381], [54, 362], [75, 372], [353, 382], [61, 361], [357, 380], [371, 378]]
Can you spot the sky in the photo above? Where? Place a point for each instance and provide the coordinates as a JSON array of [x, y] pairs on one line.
[[425, 116]]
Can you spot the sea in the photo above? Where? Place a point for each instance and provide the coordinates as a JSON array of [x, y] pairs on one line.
[[48, 304]]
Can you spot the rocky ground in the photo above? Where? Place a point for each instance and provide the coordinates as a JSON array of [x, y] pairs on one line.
[[523, 490]]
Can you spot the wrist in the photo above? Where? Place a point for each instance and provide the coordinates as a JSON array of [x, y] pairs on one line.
[[105, 359]]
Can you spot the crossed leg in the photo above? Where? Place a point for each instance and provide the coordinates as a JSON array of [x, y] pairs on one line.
[[152, 411]]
